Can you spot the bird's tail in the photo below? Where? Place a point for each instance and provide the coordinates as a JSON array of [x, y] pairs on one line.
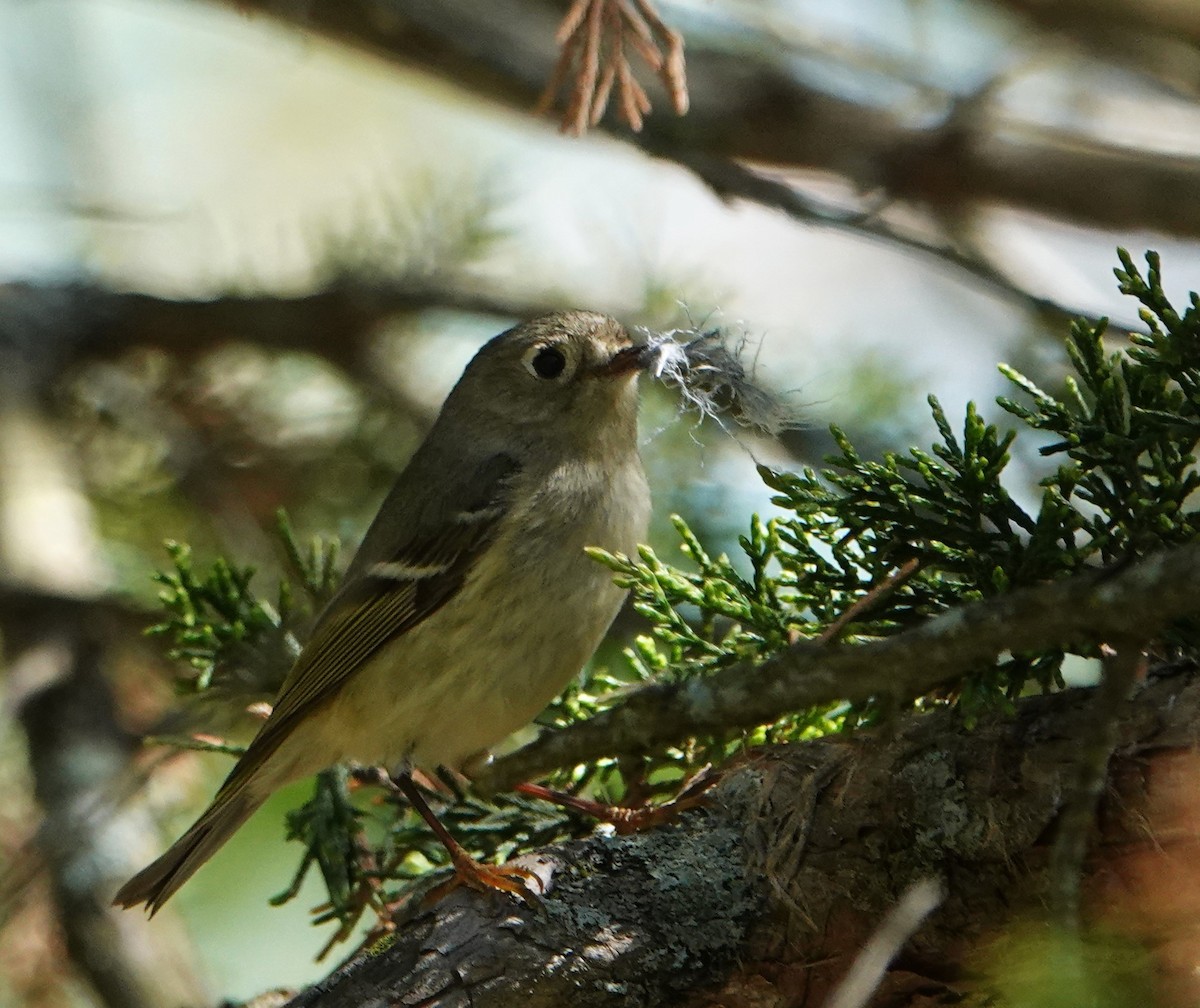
[[155, 884]]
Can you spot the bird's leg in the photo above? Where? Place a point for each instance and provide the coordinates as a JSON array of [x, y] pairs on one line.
[[631, 820], [467, 871]]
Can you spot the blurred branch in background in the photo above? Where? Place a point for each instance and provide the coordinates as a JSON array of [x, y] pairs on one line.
[[731, 181], [87, 837], [336, 322], [746, 105], [55, 647], [1160, 40]]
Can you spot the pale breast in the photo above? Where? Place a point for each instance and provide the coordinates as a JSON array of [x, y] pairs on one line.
[[528, 617]]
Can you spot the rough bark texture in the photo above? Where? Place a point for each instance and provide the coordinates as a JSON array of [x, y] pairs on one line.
[[764, 898], [632, 921]]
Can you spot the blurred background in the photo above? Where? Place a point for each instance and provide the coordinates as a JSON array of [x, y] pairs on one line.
[[246, 248]]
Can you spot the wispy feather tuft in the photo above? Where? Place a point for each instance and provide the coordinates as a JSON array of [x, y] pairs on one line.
[[708, 370]]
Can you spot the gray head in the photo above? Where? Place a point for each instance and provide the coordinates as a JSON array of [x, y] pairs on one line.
[[562, 379]]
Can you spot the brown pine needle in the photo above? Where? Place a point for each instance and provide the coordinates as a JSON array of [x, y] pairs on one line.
[[570, 23], [603, 91], [565, 58], [608, 73], [646, 10], [648, 51], [575, 120], [631, 108], [635, 20], [674, 75], [595, 37]]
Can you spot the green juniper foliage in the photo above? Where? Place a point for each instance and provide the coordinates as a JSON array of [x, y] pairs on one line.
[[227, 640], [866, 549], [1127, 424]]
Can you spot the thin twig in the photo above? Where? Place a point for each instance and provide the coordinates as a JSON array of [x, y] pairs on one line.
[[196, 743], [1121, 668], [918, 901], [875, 594]]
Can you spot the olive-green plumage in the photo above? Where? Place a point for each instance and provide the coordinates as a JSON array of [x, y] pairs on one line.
[[470, 602]]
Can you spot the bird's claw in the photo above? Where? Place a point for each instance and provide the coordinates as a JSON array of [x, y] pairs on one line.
[[626, 820], [510, 879]]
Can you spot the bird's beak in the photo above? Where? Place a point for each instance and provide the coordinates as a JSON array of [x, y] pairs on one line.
[[624, 361]]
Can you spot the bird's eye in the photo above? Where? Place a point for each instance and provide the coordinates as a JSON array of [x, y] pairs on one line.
[[548, 362]]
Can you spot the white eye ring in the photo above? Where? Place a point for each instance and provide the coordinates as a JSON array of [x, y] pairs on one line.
[[547, 362]]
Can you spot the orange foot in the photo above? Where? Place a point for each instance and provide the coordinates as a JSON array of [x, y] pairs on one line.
[[487, 878], [467, 871], [631, 820]]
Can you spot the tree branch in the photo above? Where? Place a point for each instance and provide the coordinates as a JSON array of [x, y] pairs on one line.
[[731, 180], [603, 938], [1133, 602], [1160, 40], [785, 876]]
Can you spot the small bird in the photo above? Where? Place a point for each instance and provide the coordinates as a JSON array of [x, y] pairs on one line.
[[470, 603]]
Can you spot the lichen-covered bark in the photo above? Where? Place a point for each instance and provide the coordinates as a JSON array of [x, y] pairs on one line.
[[764, 897], [976, 810], [630, 921]]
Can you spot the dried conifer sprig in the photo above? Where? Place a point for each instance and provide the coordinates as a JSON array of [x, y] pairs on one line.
[[594, 38]]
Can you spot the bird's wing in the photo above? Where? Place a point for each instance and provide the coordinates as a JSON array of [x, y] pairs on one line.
[[387, 598]]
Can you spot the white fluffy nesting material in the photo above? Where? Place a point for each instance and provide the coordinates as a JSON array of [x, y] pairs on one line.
[[708, 371]]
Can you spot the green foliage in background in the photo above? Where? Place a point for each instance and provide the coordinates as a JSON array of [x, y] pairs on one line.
[[864, 549], [231, 645]]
